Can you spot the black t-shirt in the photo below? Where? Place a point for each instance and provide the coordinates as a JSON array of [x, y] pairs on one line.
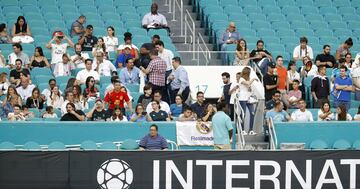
[[320, 87], [256, 51], [226, 90], [144, 100], [326, 58], [269, 80], [71, 117], [99, 116], [34, 103], [89, 43], [158, 116], [14, 73]]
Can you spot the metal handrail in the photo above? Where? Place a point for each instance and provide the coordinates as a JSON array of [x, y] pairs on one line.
[[172, 9], [273, 136], [189, 25], [206, 52], [257, 68], [239, 117]]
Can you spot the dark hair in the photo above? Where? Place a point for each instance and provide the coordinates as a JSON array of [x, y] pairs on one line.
[[259, 41], [279, 56], [112, 28], [291, 63], [88, 60], [199, 92], [342, 115], [156, 36], [23, 107], [186, 108], [20, 18], [49, 108], [303, 40], [102, 46], [349, 42], [71, 104], [92, 89], [277, 103], [154, 52], [78, 88], [120, 116], [238, 47], [18, 45], [2, 27], [321, 67], [155, 126], [70, 83], [147, 87], [343, 67], [51, 93], [15, 91], [226, 74], [137, 106], [358, 110], [24, 73], [323, 104], [177, 59], [302, 100], [181, 97], [32, 92], [127, 36], [39, 50], [17, 105], [221, 105], [114, 78], [160, 43], [18, 60], [296, 81], [157, 91], [324, 47], [82, 16], [127, 60]]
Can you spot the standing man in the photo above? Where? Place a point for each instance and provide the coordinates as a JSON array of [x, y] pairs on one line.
[[283, 82], [225, 94], [88, 41], [77, 27], [270, 82], [117, 97], [179, 81], [223, 128], [320, 87], [156, 71], [342, 89]]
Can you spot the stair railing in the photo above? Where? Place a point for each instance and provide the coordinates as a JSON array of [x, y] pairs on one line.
[[203, 49], [189, 26], [179, 4], [272, 133], [238, 119]]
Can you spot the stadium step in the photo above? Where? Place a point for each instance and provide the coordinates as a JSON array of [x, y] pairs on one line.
[[255, 142]]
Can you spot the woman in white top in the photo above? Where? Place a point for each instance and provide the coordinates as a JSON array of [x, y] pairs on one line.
[[357, 116], [325, 114], [99, 47], [308, 68], [4, 84], [341, 114], [118, 116], [292, 73], [55, 99], [111, 42], [244, 96], [234, 89], [242, 55]]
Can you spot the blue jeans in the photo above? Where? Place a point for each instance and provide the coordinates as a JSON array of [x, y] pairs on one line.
[[251, 108], [346, 103]]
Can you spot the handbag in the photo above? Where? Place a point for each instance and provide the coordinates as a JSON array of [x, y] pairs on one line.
[[253, 99]]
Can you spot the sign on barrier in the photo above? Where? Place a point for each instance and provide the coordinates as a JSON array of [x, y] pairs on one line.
[[194, 133]]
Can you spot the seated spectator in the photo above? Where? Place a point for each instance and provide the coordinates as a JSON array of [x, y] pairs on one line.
[[55, 99], [72, 114], [79, 57], [2, 61], [336, 71], [277, 113], [302, 114], [261, 56], [154, 39], [88, 41], [153, 141], [357, 115], [348, 61], [157, 114], [165, 54], [91, 92], [117, 97], [342, 89], [49, 113], [209, 112], [16, 115], [343, 49], [242, 54], [128, 43], [69, 98], [46, 92], [35, 100], [38, 59], [111, 41], [125, 55], [154, 20], [59, 48], [77, 27], [187, 115], [163, 105], [17, 72], [99, 47], [199, 106], [88, 71], [21, 31], [139, 115], [145, 98], [110, 87], [102, 66], [4, 83], [303, 50], [118, 116], [341, 114], [130, 74], [70, 84], [4, 36], [292, 74], [12, 99], [320, 87], [79, 99], [178, 107], [270, 81], [18, 54], [324, 113], [98, 113], [229, 36], [25, 88], [325, 59], [144, 58], [27, 113], [270, 104], [64, 67], [294, 95], [308, 69]]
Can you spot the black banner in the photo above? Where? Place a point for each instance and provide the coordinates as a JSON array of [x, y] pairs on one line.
[[180, 169]]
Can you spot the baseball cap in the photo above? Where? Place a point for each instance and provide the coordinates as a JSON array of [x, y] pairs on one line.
[[89, 27], [58, 33], [127, 46], [271, 64], [98, 100]]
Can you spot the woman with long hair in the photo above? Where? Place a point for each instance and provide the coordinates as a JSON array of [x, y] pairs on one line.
[[55, 99], [344, 49], [242, 53], [35, 100], [292, 73], [12, 99], [157, 114], [79, 99], [209, 112], [90, 92], [118, 116], [111, 41], [324, 113], [70, 84], [100, 47], [139, 115], [21, 31], [38, 59], [4, 36], [341, 113]]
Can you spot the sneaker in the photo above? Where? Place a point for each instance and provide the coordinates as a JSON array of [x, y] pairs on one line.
[[244, 132], [252, 133]]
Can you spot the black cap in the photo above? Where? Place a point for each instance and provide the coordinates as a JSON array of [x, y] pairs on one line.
[[271, 64], [89, 27], [148, 46]]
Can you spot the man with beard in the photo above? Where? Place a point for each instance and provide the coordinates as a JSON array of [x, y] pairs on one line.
[[325, 59]]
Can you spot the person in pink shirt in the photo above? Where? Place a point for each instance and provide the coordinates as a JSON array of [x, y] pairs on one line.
[[294, 95]]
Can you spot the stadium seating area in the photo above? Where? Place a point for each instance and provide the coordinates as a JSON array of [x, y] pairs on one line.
[[280, 23], [46, 16]]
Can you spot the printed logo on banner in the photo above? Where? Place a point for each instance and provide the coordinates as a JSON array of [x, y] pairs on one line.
[[203, 127], [115, 174]]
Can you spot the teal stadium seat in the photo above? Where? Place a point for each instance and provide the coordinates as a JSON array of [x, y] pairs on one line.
[[31, 146], [41, 71], [308, 9], [84, 2], [290, 9], [331, 16], [275, 17], [267, 2], [135, 96], [107, 145], [292, 17], [132, 87], [341, 144], [318, 145], [282, 3], [5, 146], [13, 9], [142, 2], [56, 146], [356, 145], [88, 145], [46, 2], [129, 144], [250, 8]]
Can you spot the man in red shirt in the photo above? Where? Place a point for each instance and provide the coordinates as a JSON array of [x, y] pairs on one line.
[[283, 85], [118, 97]]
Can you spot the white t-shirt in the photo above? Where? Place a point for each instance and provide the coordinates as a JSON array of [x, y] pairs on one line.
[[25, 93], [163, 106], [167, 56], [118, 120], [79, 63], [313, 70], [110, 43], [328, 118], [303, 52], [57, 102], [298, 115], [233, 95], [78, 106], [244, 93], [122, 46], [357, 116], [105, 68], [348, 117], [150, 18], [47, 92], [62, 69], [293, 76], [57, 52], [83, 74]]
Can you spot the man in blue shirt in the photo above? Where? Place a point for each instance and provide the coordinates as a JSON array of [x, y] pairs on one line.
[[153, 141], [223, 128], [130, 74], [342, 89], [179, 81], [277, 113], [336, 71], [121, 59]]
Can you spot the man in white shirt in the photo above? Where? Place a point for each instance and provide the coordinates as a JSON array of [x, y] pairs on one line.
[[64, 67], [154, 19], [70, 98], [302, 114], [303, 50], [79, 57], [47, 92], [18, 54], [88, 71], [25, 89], [101, 66], [59, 48], [165, 54], [163, 105]]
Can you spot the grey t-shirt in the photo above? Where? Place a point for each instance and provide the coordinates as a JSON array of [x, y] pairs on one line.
[[76, 23]]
